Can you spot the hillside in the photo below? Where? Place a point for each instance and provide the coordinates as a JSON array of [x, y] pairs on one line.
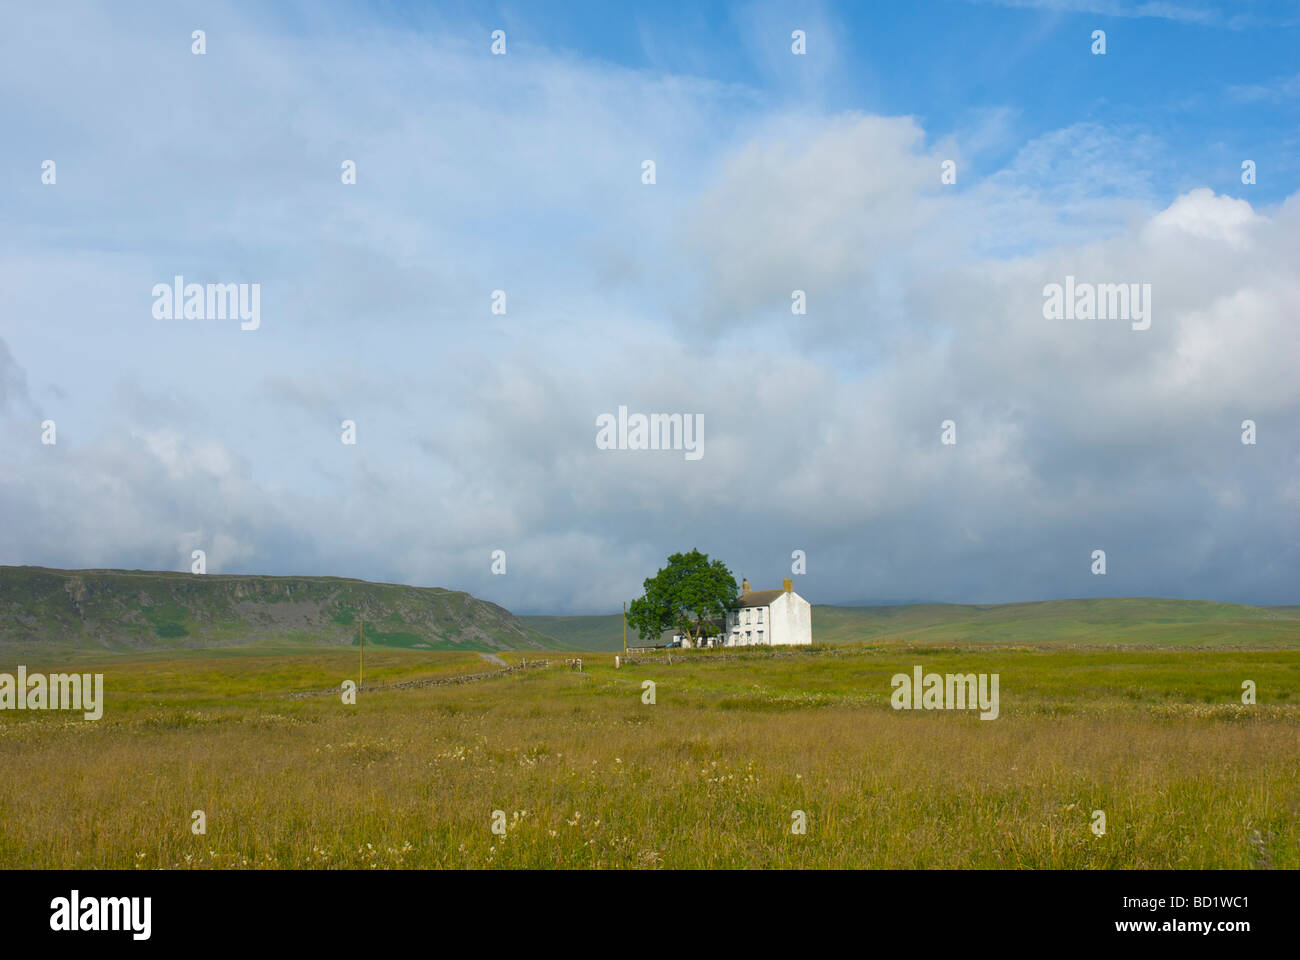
[[600, 632], [149, 610], [1108, 620], [144, 610], [1122, 621]]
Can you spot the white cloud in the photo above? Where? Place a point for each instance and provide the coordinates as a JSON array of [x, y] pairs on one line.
[[1204, 215]]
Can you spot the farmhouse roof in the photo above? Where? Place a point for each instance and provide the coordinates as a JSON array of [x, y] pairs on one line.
[[758, 598]]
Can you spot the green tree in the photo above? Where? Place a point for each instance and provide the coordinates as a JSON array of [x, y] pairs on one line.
[[686, 594]]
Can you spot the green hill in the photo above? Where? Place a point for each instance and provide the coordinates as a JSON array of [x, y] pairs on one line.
[[1119, 621], [144, 610], [601, 632], [1110, 620], [148, 610]]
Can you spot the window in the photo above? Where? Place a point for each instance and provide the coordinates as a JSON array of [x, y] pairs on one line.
[[760, 614], [760, 636]]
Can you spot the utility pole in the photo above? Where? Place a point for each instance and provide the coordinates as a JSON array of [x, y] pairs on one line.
[[361, 634], [625, 628]]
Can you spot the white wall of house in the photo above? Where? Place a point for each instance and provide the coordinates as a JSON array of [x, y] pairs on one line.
[[749, 626], [791, 617], [785, 621]]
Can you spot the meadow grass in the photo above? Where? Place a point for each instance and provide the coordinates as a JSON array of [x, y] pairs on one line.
[[587, 775]]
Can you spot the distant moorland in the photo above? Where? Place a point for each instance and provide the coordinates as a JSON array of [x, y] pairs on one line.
[[135, 610], [1120, 621], [126, 610]]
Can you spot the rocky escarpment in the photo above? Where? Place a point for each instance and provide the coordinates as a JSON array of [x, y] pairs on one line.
[[140, 610]]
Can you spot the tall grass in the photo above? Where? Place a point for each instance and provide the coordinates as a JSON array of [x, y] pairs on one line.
[[587, 775]]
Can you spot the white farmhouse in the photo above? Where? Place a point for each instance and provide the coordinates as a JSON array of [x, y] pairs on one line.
[[773, 617]]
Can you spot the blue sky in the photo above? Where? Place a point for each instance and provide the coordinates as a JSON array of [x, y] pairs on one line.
[[775, 172], [1203, 77]]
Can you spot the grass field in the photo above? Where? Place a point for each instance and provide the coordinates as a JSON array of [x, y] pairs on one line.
[[587, 775]]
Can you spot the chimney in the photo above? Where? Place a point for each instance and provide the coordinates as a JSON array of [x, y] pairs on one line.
[[744, 586], [788, 584]]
